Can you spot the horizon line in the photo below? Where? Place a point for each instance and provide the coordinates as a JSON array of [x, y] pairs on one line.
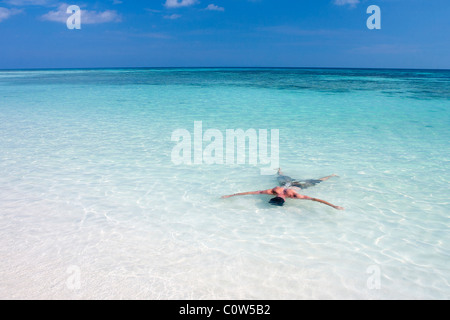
[[218, 67]]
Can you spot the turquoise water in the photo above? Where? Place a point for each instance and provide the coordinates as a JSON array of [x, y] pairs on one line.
[[87, 183]]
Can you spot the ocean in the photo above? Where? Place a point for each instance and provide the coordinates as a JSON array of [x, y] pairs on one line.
[[93, 205]]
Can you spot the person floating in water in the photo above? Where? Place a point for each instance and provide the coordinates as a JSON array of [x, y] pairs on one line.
[[284, 191]]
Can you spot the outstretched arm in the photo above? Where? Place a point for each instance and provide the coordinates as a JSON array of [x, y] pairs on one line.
[[327, 203], [248, 193], [318, 200], [329, 177]]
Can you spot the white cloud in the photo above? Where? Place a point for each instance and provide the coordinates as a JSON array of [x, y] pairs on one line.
[[213, 7], [179, 3], [87, 17], [6, 13], [173, 16], [29, 2], [153, 10], [351, 3]]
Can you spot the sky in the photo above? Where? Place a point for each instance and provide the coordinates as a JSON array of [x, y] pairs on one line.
[[225, 33]]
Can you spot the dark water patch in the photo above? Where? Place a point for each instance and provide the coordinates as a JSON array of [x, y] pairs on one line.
[[402, 83]]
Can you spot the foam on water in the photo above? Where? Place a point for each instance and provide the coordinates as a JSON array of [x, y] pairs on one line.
[[86, 180]]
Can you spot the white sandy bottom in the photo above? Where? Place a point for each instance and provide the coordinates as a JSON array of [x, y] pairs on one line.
[[191, 247]]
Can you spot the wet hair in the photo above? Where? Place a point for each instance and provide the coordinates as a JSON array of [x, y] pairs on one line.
[[277, 201]]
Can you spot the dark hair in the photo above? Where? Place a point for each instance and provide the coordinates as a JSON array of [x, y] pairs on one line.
[[277, 201]]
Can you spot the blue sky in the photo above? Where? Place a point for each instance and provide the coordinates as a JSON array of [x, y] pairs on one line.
[[225, 33]]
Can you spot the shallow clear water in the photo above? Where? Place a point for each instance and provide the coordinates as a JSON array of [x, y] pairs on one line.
[[91, 205]]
